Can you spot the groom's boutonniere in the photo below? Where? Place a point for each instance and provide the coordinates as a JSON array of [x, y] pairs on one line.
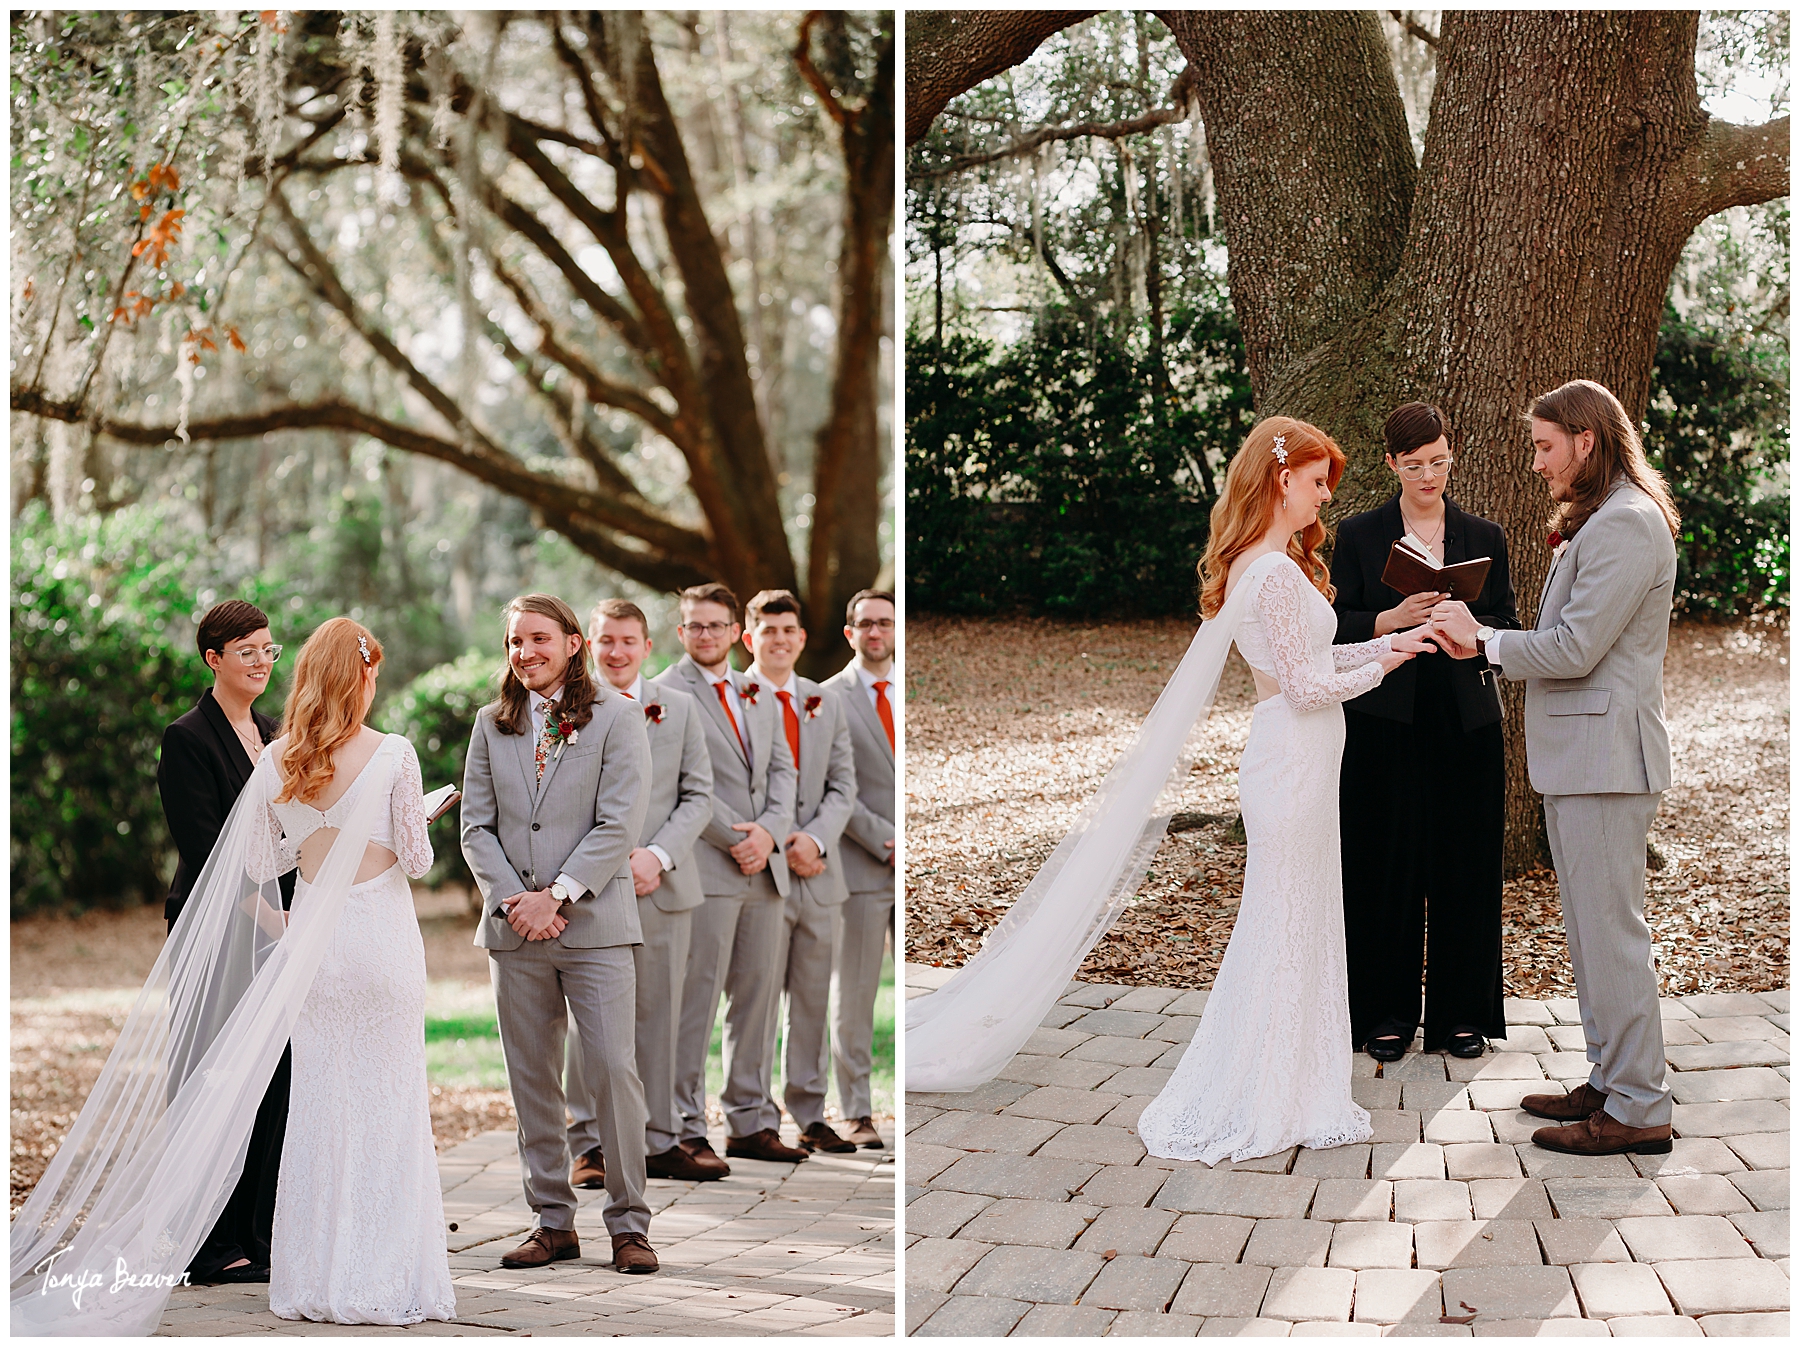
[[812, 706], [1557, 544], [561, 729], [749, 693], [653, 712]]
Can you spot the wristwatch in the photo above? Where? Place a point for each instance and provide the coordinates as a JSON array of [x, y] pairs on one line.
[[560, 891], [1482, 636]]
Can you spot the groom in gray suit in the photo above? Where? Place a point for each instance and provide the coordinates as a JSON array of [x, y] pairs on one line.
[[865, 687], [554, 794], [819, 739], [743, 871], [1598, 749]]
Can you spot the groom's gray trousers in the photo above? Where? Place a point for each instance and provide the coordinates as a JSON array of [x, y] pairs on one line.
[[1597, 843], [544, 985]]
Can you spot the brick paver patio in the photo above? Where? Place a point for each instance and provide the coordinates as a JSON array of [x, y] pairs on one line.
[[1032, 1209], [797, 1250]]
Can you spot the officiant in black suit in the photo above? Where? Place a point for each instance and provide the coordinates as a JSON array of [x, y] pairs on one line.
[[207, 757], [1422, 787]]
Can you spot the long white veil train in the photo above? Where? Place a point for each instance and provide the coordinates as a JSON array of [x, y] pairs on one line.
[[963, 1033], [152, 1158]]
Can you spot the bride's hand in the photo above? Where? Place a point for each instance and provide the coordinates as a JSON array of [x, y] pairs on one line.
[[1403, 645]]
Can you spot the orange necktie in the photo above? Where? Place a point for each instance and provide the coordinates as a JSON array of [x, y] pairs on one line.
[[792, 721], [725, 702], [886, 711]]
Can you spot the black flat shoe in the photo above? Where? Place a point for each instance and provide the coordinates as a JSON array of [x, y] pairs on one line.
[[1386, 1048], [1466, 1043], [250, 1272]]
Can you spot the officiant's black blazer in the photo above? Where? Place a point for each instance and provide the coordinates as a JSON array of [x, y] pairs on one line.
[[1357, 561], [200, 774]]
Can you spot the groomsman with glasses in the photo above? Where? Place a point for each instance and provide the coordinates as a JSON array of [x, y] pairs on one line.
[[865, 687]]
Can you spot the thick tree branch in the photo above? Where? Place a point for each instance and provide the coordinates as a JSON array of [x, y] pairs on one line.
[[1740, 165], [1179, 94], [810, 72], [1413, 27], [949, 52]]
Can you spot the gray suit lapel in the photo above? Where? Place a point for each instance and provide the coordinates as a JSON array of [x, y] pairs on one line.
[[708, 699], [525, 750], [865, 710]]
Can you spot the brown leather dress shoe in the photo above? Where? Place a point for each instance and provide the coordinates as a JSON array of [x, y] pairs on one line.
[[1602, 1134], [632, 1253], [700, 1151], [764, 1145], [676, 1163], [544, 1246], [1581, 1102], [589, 1170], [819, 1137], [862, 1132]]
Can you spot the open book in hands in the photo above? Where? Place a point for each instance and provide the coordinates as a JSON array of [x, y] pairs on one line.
[[1412, 569], [440, 801]]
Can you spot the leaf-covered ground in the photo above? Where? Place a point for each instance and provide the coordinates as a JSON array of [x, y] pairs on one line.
[[1012, 723]]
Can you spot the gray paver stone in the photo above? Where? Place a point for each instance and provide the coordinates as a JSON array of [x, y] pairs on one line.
[[1175, 1028], [1234, 1194], [1430, 1200], [1207, 1239], [1542, 1164], [1135, 1230], [1685, 1238], [1691, 1155], [1703, 1194], [1716, 1005], [1062, 1104], [972, 1317], [1767, 1188], [1053, 1042], [1118, 1023], [1766, 1230], [1481, 1159], [1609, 1290], [1139, 1080], [1156, 1000], [1375, 1094], [1743, 1082], [1527, 1038], [1047, 1225], [1082, 1141], [1583, 1239], [1305, 1293], [921, 1305], [1222, 1290], [1725, 1286], [1565, 1065], [1656, 1326], [1145, 1324], [1233, 1327], [1056, 1275], [1131, 1282], [1277, 1243], [1736, 1028], [1513, 1126], [1278, 1163], [1361, 1244], [1193, 1002], [1509, 1199], [923, 1163], [1353, 1200], [1777, 999], [1500, 1066], [937, 1264], [1119, 1051], [942, 1212], [1715, 1056], [1394, 1295], [1015, 1176], [982, 1132], [1329, 1328], [1387, 1126], [1520, 1011], [1434, 1096], [1093, 995], [1466, 1244], [1503, 1094], [1745, 1325], [1760, 1150], [1681, 1034], [1424, 1330], [1122, 1186], [1061, 1071], [1421, 1160], [1511, 1293], [1609, 1199], [1416, 1066], [989, 1097], [1457, 1126], [1338, 1162], [1541, 1328], [1063, 1321], [1061, 1015]]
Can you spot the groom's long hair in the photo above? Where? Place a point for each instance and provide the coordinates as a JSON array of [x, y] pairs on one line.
[[1582, 404], [1247, 505], [578, 693]]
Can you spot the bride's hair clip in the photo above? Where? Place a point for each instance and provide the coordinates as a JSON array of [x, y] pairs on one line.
[[362, 644], [1280, 449]]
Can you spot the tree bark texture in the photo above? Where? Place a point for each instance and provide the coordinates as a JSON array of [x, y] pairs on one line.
[[950, 52]]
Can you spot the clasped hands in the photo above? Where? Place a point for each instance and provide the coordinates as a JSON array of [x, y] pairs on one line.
[[535, 914]]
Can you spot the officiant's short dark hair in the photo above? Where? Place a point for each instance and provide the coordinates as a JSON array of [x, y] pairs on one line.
[[227, 622], [1413, 425]]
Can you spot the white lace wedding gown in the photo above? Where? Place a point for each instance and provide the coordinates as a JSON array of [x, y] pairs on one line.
[[359, 1233], [1269, 1065]]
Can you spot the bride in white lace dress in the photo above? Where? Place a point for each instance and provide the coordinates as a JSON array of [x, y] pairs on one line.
[[359, 1215]]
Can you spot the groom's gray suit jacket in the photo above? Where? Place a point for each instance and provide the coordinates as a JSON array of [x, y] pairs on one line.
[[1594, 665], [866, 868], [583, 819]]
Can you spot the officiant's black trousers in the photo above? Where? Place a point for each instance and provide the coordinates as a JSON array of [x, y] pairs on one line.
[[244, 1227], [1420, 816]]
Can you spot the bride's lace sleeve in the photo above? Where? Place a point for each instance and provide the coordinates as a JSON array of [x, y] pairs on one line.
[[268, 853], [1278, 603], [1355, 656], [412, 843]]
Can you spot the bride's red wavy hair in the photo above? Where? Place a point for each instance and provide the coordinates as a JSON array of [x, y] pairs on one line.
[[1247, 505], [324, 711]]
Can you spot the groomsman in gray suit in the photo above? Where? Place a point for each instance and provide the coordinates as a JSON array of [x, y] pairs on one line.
[[1598, 749], [819, 738], [865, 686], [554, 794], [667, 882], [737, 934]]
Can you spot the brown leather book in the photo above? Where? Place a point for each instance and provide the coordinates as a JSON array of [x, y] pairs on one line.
[[1409, 573]]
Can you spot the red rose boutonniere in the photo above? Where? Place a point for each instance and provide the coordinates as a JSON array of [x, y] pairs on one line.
[[813, 705], [562, 731], [749, 693], [653, 712], [1555, 540]]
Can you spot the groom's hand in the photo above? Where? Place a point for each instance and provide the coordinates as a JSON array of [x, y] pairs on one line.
[[535, 914], [803, 856], [646, 872], [752, 854], [1455, 627]]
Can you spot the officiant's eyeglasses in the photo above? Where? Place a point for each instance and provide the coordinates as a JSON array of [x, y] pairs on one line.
[[1438, 467], [251, 655]]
